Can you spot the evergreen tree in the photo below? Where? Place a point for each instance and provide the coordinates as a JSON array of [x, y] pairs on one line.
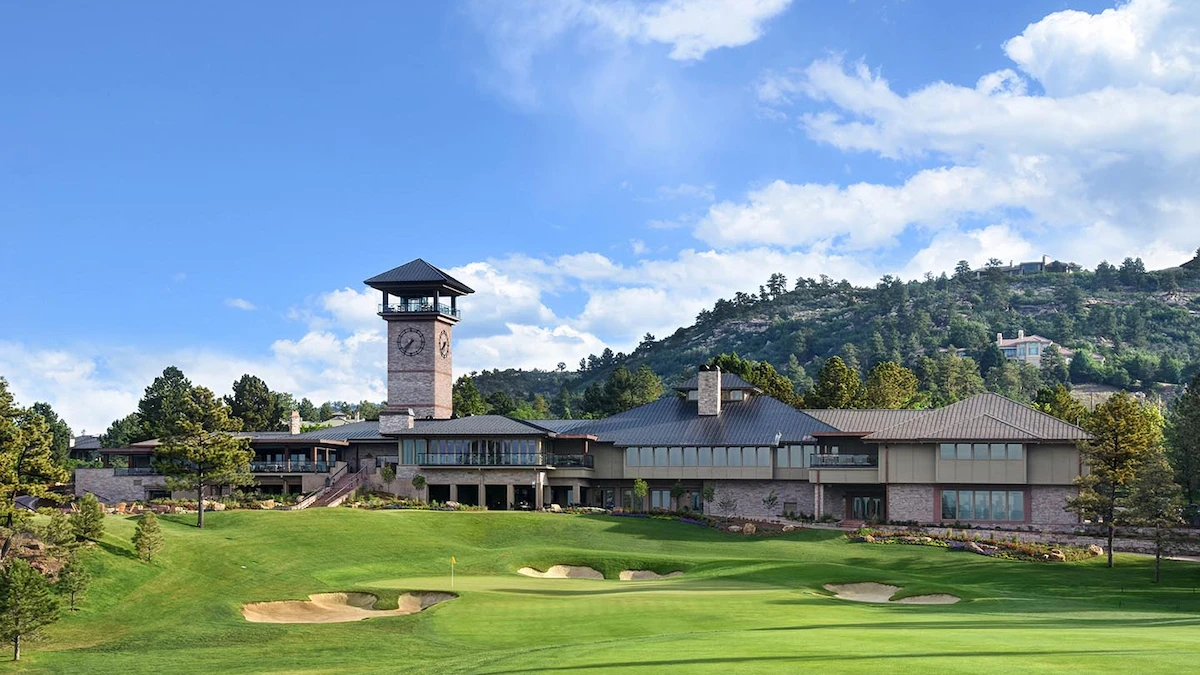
[[890, 385], [308, 412], [163, 402], [1059, 402], [198, 453], [254, 404], [27, 462], [1124, 433], [760, 374], [1183, 442], [58, 532], [87, 521], [60, 444], [26, 604], [148, 537], [1154, 501], [1169, 370], [837, 386], [122, 432], [1054, 367], [73, 579], [1083, 368]]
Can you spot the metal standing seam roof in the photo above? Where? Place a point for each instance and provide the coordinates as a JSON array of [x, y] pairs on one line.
[[418, 272], [863, 421], [728, 381], [985, 417], [673, 421], [86, 442]]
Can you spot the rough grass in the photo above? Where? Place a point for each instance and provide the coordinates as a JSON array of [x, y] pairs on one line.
[[744, 605]]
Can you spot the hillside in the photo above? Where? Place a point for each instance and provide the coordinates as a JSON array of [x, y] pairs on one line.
[[1142, 327]]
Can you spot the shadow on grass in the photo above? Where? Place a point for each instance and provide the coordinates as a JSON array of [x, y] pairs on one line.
[[813, 658], [965, 624], [117, 550]]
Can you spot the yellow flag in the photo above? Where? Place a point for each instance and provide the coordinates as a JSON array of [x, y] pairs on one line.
[[453, 561]]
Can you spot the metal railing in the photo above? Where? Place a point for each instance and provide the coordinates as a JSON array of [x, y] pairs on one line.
[[420, 307], [505, 459], [843, 461], [289, 467]]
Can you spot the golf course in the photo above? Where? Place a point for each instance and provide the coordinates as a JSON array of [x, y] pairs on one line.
[[742, 604]]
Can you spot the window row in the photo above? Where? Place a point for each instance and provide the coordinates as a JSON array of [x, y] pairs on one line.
[[799, 456], [756, 456], [989, 451], [414, 450], [991, 505], [726, 395]]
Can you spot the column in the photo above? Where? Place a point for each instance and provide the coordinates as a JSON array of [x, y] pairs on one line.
[[509, 496], [576, 493], [453, 492], [482, 501]]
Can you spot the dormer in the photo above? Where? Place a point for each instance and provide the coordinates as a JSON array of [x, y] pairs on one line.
[[711, 388]]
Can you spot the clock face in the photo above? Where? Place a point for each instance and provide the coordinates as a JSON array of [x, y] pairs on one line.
[[444, 344], [410, 342]]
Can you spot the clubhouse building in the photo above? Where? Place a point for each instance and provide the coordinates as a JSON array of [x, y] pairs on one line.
[[984, 460]]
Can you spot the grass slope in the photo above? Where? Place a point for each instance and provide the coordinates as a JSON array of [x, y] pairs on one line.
[[744, 605]]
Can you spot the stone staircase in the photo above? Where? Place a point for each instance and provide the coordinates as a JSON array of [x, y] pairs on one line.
[[343, 487]]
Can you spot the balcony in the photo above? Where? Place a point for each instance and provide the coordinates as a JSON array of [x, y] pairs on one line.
[[420, 307], [843, 461], [136, 471], [290, 467], [503, 459]]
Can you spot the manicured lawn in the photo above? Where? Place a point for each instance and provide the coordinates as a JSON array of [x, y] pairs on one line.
[[744, 605]]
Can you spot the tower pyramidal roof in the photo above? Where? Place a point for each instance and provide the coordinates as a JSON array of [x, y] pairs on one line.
[[415, 275]]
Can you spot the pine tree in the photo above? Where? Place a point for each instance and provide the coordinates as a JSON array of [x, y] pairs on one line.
[[1058, 402], [1124, 433], [58, 532], [73, 579], [147, 537], [837, 386], [890, 385], [466, 398], [27, 463], [88, 520], [1154, 501], [26, 604]]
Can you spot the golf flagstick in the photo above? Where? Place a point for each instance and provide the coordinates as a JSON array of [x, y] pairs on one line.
[[453, 562]]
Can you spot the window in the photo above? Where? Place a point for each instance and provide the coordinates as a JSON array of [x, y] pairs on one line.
[[660, 499], [963, 451], [987, 505], [1014, 450], [764, 457], [735, 395], [660, 457], [781, 458], [675, 456], [408, 451], [798, 456], [718, 455], [631, 456], [693, 395], [998, 451], [735, 456], [689, 457], [705, 456], [980, 451], [947, 451], [1033, 349], [647, 456]]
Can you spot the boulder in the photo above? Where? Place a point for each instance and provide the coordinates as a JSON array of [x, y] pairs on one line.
[[1095, 550], [749, 528], [180, 509], [120, 507], [735, 528], [973, 547], [555, 508], [266, 504], [789, 528], [1057, 556], [217, 506], [452, 505]]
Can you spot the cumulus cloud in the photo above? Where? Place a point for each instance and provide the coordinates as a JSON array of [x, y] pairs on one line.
[[240, 303]]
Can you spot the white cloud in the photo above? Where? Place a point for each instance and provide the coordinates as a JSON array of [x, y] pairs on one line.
[[975, 246], [240, 303], [695, 27], [1141, 43], [668, 193], [637, 246]]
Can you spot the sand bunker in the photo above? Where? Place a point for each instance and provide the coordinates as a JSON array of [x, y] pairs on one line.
[[645, 575], [872, 592], [562, 572], [337, 607]]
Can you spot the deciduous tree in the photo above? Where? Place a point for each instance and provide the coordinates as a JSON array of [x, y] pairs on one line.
[[198, 452], [890, 385], [1123, 435], [467, 400], [640, 490]]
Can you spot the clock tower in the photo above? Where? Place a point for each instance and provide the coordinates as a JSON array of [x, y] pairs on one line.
[[420, 305]]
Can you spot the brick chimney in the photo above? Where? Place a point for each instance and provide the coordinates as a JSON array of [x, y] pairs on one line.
[[708, 398], [393, 419], [294, 423]]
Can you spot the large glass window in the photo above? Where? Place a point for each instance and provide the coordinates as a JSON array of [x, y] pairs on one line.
[[781, 458], [764, 457], [689, 457], [704, 456], [946, 451], [735, 456], [660, 457], [675, 456], [631, 457], [660, 499], [980, 451], [719, 457], [647, 456], [1014, 450], [408, 452], [797, 456], [998, 451], [983, 505], [963, 451]]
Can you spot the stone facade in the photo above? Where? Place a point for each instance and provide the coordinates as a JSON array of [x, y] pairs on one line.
[[420, 375], [111, 489], [749, 495], [1048, 505], [911, 502], [708, 395]]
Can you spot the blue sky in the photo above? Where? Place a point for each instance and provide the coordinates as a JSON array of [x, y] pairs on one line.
[[207, 185]]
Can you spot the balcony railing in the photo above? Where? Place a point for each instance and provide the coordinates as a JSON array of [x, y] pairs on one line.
[[423, 307], [135, 471], [844, 461], [290, 467], [505, 459]]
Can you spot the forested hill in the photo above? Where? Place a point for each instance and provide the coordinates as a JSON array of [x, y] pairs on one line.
[[1141, 326]]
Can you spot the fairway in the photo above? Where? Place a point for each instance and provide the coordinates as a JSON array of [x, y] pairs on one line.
[[743, 604]]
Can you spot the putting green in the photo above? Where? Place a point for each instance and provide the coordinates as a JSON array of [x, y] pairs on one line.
[[743, 604]]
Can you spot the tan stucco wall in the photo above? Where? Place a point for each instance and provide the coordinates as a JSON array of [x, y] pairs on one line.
[[610, 461], [908, 463], [965, 471], [1053, 464]]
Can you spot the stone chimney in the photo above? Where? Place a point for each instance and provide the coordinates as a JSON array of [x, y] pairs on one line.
[[1021, 334], [708, 398], [999, 337], [294, 423], [393, 419]]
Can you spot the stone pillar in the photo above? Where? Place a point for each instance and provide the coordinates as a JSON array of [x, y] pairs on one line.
[[482, 501], [509, 496], [453, 492]]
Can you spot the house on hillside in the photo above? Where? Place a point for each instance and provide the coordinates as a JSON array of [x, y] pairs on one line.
[[1029, 348], [1045, 265], [985, 460]]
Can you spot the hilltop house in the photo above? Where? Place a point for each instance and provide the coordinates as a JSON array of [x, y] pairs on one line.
[[1029, 348], [983, 460]]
